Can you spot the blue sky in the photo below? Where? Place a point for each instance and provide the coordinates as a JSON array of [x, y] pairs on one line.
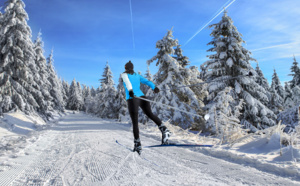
[[86, 34]]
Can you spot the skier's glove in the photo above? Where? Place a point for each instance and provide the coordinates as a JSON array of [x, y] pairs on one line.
[[131, 94], [156, 90]]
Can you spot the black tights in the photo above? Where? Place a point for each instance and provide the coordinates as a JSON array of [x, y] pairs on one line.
[[133, 107]]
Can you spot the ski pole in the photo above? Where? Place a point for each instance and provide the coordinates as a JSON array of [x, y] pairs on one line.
[[250, 74], [168, 106]]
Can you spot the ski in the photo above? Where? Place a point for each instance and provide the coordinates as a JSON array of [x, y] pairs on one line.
[[139, 154], [178, 145]]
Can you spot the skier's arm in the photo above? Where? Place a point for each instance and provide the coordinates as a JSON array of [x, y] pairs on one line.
[[126, 81], [147, 82]]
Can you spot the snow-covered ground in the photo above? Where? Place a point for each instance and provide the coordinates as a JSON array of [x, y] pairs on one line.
[[78, 149]]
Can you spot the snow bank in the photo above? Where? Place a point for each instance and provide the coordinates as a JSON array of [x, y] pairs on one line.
[[17, 128], [261, 151]]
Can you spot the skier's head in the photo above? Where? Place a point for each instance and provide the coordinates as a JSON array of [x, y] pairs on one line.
[[129, 68]]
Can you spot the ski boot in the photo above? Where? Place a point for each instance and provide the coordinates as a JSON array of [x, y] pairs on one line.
[[137, 146], [165, 135]]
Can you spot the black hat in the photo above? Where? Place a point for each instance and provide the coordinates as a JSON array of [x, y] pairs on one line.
[[129, 66]]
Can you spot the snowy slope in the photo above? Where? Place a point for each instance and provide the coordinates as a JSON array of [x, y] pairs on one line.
[[81, 150]]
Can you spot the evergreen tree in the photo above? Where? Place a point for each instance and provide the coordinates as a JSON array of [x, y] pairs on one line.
[[66, 89], [224, 116], [145, 88], [229, 67], [262, 81], [93, 92], [121, 103], [42, 76], [296, 97], [288, 100], [107, 105], [171, 75], [295, 74], [18, 86], [75, 101], [107, 76], [276, 84], [182, 60], [56, 89]]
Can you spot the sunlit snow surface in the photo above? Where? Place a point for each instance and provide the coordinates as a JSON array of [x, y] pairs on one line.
[[78, 149]]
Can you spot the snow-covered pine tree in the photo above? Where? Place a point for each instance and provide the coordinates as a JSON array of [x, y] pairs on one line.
[[56, 89], [288, 100], [65, 91], [224, 115], [277, 85], [18, 86], [182, 60], [87, 98], [75, 101], [148, 75], [121, 103], [295, 74], [277, 94], [93, 92], [107, 76], [107, 105], [200, 89], [262, 81], [171, 75], [229, 67], [80, 92], [296, 93], [42, 76], [276, 102]]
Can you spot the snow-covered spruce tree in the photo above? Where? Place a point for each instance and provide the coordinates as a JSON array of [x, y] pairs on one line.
[[42, 76], [65, 91], [80, 92], [182, 60], [296, 93], [229, 67], [295, 74], [224, 115], [87, 98], [277, 94], [171, 75], [262, 81], [288, 99], [18, 83], [200, 89], [276, 102], [122, 110], [148, 75], [107, 105], [277, 85], [93, 92], [56, 89], [75, 101]]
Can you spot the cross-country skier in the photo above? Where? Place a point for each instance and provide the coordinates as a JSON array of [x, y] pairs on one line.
[[131, 82]]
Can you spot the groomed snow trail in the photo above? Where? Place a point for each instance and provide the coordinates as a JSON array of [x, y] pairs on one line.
[[81, 150]]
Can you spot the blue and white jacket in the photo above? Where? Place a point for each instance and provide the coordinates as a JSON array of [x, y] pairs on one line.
[[133, 82]]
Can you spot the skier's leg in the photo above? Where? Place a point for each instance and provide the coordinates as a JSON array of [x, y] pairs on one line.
[[133, 106], [145, 106]]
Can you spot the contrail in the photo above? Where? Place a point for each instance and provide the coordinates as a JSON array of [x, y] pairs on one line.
[[274, 46], [132, 25], [209, 22]]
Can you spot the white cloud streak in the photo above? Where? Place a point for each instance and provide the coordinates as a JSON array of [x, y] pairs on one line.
[[210, 21], [275, 46]]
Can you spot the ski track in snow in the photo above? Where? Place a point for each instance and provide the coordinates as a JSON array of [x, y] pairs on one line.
[[81, 150]]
